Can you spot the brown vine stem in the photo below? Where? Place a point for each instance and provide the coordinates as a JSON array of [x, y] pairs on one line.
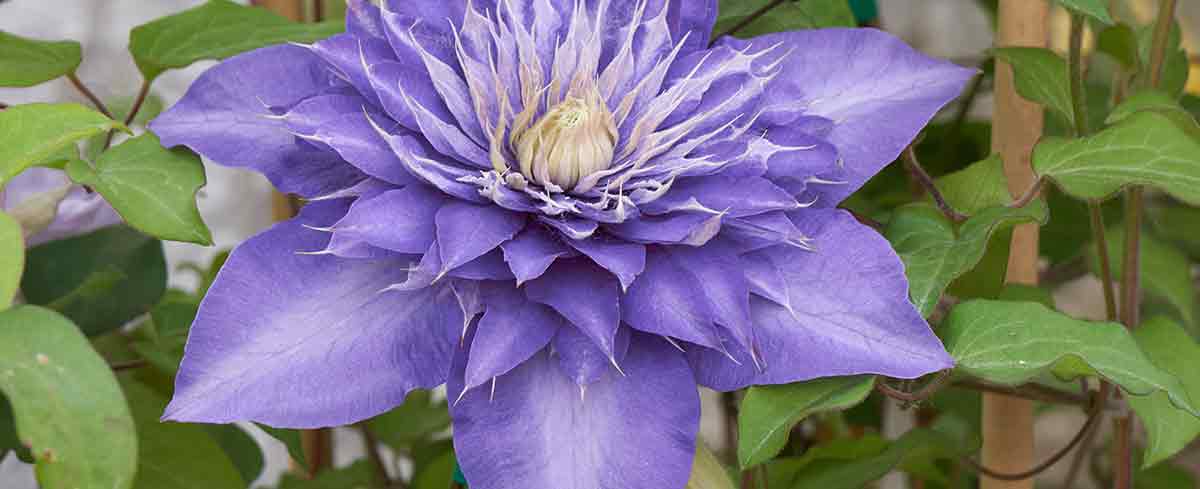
[[749, 20], [922, 177], [1131, 263], [1094, 415], [1096, 218], [925, 392], [1031, 193], [371, 446], [83, 89]]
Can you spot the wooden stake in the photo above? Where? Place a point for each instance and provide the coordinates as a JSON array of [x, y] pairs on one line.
[[317, 444], [1008, 439]]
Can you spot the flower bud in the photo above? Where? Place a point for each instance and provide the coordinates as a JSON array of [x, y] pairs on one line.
[[574, 139]]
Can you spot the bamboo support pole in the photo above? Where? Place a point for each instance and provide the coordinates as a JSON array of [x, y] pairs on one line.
[[1008, 437]]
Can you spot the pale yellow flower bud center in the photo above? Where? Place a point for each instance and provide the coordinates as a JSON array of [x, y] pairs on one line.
[[572, 140]]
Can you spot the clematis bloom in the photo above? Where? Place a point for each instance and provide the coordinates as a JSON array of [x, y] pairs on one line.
[[571, 212]]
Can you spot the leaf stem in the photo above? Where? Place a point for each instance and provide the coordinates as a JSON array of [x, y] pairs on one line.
[[922, 177], [83, 89], [748, 20], [138, 101]]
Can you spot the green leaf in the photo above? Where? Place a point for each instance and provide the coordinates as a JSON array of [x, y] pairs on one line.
[[707, 472], [789, 16], [1120, 42], [976, 187], [918, 447], [1040, 76], [167, 330], [175, 455], [12, 259], [1177, 224], [8, 434], [769, 412], [1157, 102], [354, 476], [28, 62], [152, 187], [935, 252], [1175, 65], [68, 407], [1095, 9], [437, 474], [216, 30], [31, 134], [240, 447], [419, 419], [1143, 149], [1164, 476], [100, 280], [1168, 428], [1165, 270], [1011, 343]]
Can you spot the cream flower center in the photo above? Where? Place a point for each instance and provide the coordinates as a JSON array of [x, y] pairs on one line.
[[573, 140]]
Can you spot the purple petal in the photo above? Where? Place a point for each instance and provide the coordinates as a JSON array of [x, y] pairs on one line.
[[625, 260], [230, 116], [841, 310], [399, 220], [467, 231], [362, 19], [307, 341], [531, 252], [580, 360], [880, 96], [490, 266], [696, 21], [738, 197], [585, 294], [349, 56], [622, 432], [353, 137], [665, 301], [571, 227], [511, 330], [685, 228]]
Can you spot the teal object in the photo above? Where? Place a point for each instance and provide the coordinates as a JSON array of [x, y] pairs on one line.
[[459, 477], [865, 11]]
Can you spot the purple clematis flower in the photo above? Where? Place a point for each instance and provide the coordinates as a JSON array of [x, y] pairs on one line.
[[571, 212], [50, 207]]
